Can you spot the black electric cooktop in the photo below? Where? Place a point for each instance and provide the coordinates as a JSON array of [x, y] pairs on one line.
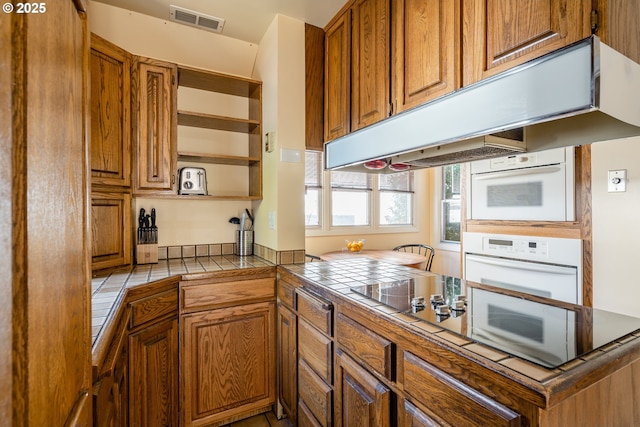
[[543, 333]]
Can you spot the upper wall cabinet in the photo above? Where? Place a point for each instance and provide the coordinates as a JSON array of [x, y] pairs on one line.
[[110, 114], [154, 127], [426, 51], [500, 34], [357, 68]]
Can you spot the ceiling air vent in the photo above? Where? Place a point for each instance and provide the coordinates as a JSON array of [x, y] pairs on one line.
[[196, 19]]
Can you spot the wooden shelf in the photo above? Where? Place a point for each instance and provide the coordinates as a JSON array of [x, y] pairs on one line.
[[196, 197], [220, 159], [216, 82], [211, 121]]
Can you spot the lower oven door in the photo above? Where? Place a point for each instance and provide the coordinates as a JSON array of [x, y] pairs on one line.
[[545, 280], [533, 194]]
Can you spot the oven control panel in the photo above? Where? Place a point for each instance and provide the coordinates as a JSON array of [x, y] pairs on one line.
[[511, 247]]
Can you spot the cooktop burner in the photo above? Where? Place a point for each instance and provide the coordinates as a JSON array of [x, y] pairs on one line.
[[545, 334]]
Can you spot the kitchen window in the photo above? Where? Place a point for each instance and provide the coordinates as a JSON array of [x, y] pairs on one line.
[[450, 204], [313, 188], [356, 200]]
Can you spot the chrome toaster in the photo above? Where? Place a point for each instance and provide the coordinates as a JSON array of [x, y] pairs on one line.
[[193, 181]]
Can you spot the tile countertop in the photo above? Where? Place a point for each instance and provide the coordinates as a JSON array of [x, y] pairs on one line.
[[340, 276], [108, 289]]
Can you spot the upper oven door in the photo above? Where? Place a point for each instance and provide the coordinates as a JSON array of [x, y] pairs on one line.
[[534, 194]]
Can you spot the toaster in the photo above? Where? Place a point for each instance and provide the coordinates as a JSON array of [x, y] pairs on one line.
[[193, 181]]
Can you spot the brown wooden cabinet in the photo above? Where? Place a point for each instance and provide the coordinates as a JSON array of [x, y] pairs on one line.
[[153, 92], [410, 415], [228, 347], [357, 68], [500, 34], [426, 51], [154, 375], [110, 72], [45, 370], [110, 229], [287, 352], [360, 398]]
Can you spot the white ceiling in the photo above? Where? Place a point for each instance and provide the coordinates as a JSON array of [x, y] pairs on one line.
[[244, 19]]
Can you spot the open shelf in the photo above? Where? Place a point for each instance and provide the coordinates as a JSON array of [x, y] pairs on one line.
[[211, 121], [216, 82], [220, 159]]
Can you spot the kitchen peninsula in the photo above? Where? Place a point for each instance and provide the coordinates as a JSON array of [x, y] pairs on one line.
[[383, 356]]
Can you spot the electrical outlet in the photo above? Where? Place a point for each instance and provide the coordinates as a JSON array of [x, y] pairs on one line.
[[271, 220], [269, 142]]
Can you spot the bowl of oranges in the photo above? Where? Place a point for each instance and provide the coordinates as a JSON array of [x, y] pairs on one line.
[[355, 246]]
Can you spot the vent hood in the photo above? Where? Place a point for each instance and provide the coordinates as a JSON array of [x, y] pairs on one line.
[[584, 93]]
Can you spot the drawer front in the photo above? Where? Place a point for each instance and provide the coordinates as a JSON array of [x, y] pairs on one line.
[[458, 403], [316, 349], [371, 348], [287, 294], [315, 394], [212, 295], [316, 311], [153, 307]]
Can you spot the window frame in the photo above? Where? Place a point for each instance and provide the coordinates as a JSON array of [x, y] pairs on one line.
[[327, 229]]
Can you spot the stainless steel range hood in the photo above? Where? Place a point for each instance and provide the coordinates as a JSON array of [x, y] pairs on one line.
[[584, 93]]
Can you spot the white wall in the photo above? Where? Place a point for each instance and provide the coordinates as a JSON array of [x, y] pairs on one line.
[[280, 66], [616, 230]]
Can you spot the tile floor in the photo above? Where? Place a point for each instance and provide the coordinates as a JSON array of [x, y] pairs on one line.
[[262, 420]]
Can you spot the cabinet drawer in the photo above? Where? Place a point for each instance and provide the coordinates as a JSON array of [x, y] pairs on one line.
[[458, 403], [369, 347], [316, 311], [287, 294], [153, 307], [212, 295], [315, 394], [316, 349]]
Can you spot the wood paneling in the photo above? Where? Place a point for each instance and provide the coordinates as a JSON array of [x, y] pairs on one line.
[[110, 71], [370, 62], [154, 375], [44, 210], [426, 51], [287, 352], [228, 362], [361, 399], [153, 95], [337, 78], [500, 34], [314, 87]]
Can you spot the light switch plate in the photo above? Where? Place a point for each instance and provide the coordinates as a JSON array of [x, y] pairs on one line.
[[617, 181]]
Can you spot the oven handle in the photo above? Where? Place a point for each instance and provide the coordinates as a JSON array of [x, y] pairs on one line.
[[520, 265], [517, 172]]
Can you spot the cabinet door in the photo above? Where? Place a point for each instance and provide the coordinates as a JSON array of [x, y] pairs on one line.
[[360, 399], [110, 230], [370, 62], [228, 363], [154, 90], [154, 375], [110, 71], [337, 72], [287, 362], [411, 416], [426, 51], [499, 34]]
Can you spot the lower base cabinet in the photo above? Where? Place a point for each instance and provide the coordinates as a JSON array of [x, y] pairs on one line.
[[153, 376], [287, 361], [361, 400], [228, 363]]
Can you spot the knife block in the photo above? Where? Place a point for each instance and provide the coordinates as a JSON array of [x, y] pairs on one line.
[[147, 253]]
